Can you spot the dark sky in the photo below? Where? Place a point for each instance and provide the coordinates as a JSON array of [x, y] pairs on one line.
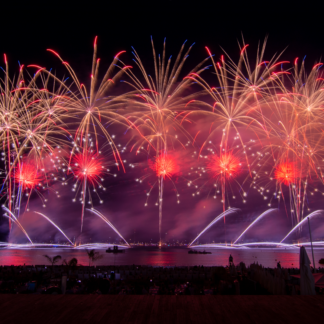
[[29, 28], [70, 27]]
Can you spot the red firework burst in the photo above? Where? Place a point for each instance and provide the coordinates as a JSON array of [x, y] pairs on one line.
[[285, 173], [226, 165], [27, 176], [87, 165], [164, 166]]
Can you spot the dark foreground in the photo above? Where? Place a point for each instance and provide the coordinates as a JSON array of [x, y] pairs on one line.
[[161, 309], [147, 280]]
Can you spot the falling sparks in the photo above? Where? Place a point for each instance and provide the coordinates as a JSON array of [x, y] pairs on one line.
[[258, 128]]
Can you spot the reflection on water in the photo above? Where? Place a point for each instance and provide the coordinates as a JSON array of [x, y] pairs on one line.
[[164, 257]]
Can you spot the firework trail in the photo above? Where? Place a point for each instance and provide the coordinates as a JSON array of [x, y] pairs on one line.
[[267, 212], [221, 173], [89, 168], [313, 214], [12, 102], [264, 129], [224, 168], [219, 217], [21, 131], [54, 226], [164, 166], [235, 106], [16, 221], [157, 105], [27, 178], [292, 155], [94, 103], [96, 212]]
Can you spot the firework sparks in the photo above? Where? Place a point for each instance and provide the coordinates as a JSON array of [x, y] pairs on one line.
[[286, 173], [27, 176], [158, 102], [94, 103], [164, 166], [88, 167], [226, 165], [51, 129]]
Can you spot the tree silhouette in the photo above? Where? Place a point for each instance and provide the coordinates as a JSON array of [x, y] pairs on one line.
[[71, 264], [53, 260], [93, 256]]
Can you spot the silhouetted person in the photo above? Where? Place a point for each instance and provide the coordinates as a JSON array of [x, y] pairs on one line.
[[112, 275], [230, 259]]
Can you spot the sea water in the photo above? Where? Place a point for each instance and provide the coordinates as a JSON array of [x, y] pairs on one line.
[[167, 256]]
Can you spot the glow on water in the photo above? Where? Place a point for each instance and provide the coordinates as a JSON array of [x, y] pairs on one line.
[[169, 256]]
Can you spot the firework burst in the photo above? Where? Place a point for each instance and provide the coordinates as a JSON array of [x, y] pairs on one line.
[[164, 166], [261, 122], [286, 173], [27, 176], [94, 104], [89, 169], [158, 104], [226, 165]]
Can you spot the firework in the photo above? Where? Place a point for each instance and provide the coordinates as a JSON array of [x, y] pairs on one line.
[[292, 154], [164, 166], [219, 217], [234, 109], [44, 216], [22, 132], [27, 176], [286, 173], [94, 104], [89, 168], [224, 168], [258, 126], [157, 105], [109, 224]]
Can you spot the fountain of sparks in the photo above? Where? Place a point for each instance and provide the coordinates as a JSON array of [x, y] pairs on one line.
[[239, 241]]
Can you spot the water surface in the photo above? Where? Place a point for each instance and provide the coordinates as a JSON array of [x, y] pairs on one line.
[[171, 256]]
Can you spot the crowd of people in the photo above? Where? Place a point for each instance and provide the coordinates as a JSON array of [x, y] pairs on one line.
[[71, 278]]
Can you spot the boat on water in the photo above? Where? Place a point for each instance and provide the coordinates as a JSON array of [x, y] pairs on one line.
[[198, 252], [115, 250]]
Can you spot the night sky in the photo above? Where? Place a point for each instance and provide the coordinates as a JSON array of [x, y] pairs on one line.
[[29, 29]]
